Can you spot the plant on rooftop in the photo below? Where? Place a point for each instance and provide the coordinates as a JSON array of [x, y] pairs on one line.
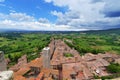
[[68, 55]]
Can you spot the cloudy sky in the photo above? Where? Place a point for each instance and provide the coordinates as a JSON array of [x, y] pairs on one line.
[[59, 14]]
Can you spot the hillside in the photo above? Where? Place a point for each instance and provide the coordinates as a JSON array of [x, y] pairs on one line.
[[116, 30], [109, 31], [17, 43]]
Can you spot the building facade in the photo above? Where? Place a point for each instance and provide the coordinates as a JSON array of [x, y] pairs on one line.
[[3, 65], [46, 57]]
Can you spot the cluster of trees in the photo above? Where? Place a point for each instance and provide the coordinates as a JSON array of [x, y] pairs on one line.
[[14, 57], [94, 43], [114, 68], [84, 48], [17, 44]]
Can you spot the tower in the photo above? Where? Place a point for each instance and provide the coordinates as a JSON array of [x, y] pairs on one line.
[[46, 57], [3, 65]]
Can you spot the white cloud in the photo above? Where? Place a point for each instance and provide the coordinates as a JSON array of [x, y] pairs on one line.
[[26, 22], [17, 17], [12, 11], [112, 5], [8, 24], [80, 15], [43, 20], [88, 14]]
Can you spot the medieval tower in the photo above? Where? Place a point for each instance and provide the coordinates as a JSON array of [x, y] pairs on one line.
[[46, 57], [3, 65]]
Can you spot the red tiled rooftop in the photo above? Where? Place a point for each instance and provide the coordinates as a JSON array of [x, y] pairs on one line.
[[80, 76], [19, 77], [47, 72], [82, 67], [32, 79], [22, 71], [40, 76], [36, 63]]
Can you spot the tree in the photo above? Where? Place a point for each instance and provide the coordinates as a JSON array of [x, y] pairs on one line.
[[114, 68]]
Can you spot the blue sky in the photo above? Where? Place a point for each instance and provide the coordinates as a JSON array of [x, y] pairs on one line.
[[59, 14], [35, 8]]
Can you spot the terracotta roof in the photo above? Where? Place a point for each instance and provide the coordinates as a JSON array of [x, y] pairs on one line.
[[81, 67], [35, 63], [87, 73], [89, 57], [61, 48], [104, 62], [78, 68], [40, 76], [19, 77], [68, 69], [47, 72], [31, 79], [80, 76], [49, 78], [22, 71], [55, 72]]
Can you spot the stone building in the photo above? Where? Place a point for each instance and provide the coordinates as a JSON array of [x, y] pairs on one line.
[[6, 75], [3, 65], [46, 57]]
